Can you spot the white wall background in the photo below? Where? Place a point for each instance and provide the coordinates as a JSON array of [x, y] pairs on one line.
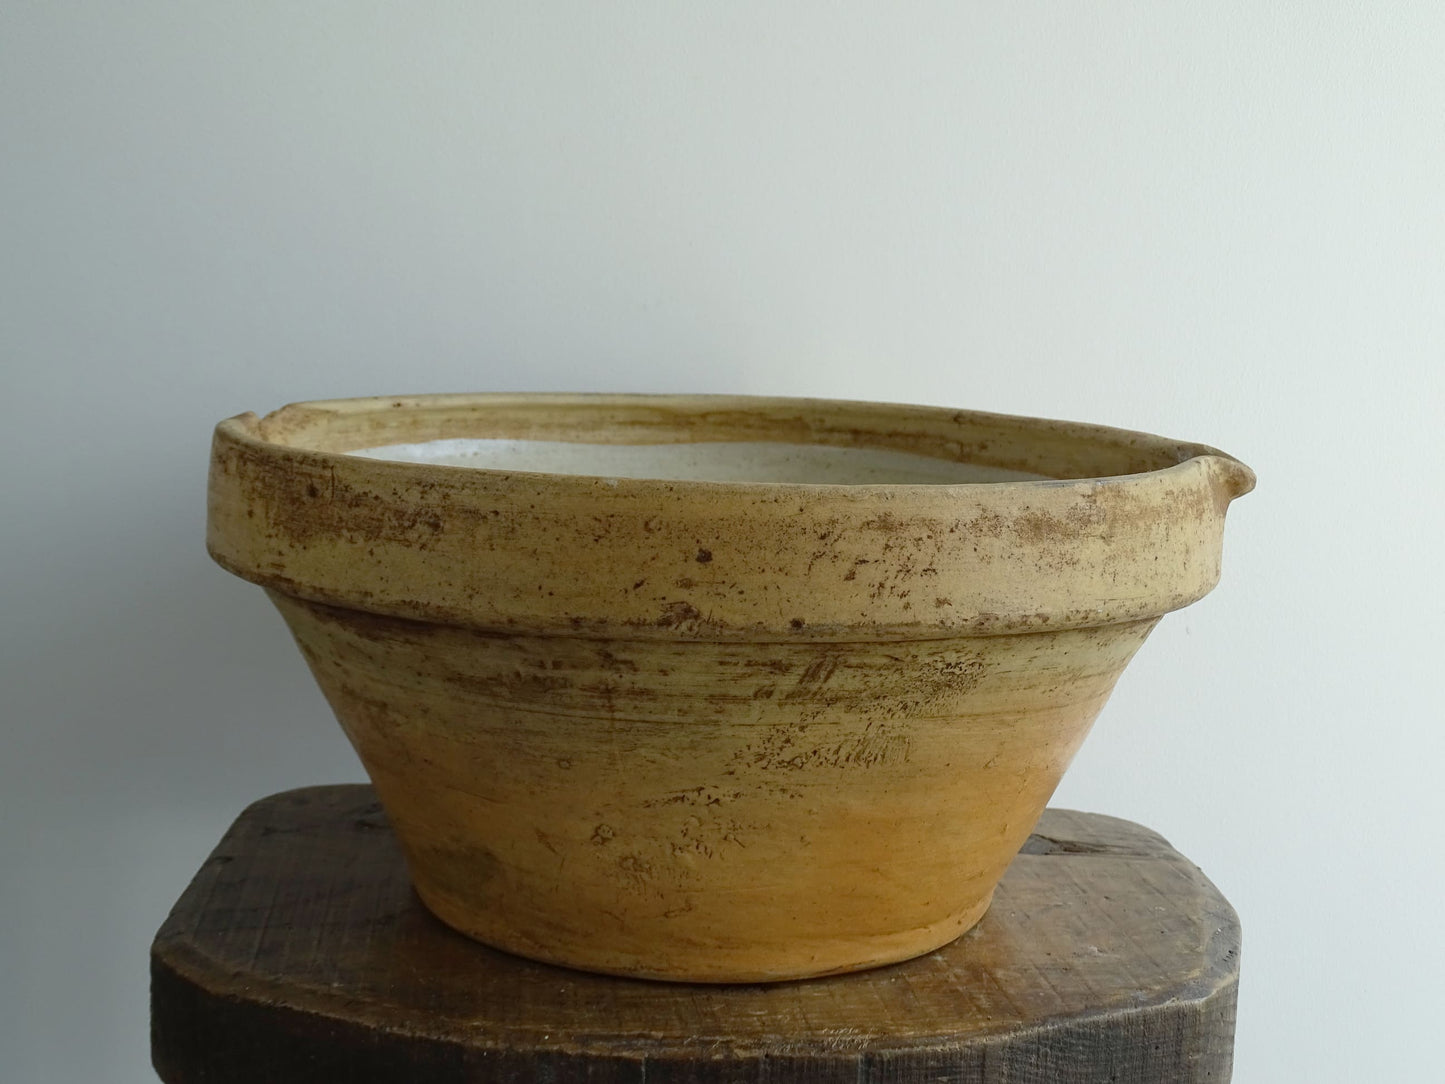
[[1220, 222]]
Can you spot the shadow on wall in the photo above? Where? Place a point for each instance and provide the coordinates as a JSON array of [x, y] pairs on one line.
[[146, 673]]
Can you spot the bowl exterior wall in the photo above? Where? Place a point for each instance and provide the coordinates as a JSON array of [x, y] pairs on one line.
[[638, 558], [709, 811]]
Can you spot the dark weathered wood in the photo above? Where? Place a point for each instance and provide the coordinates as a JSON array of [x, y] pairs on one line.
[[300, 954]]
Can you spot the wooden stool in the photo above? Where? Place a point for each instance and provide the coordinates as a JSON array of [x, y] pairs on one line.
[[300, 954]]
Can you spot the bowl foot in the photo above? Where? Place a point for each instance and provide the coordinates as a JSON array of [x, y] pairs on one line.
[[687, 961]]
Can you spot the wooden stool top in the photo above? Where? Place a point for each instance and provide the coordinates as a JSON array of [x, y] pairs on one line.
[[300, 954]]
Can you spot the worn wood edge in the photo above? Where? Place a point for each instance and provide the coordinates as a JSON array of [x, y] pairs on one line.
[[189, 986], [281, 1046], [185, 969], [240, 1040]]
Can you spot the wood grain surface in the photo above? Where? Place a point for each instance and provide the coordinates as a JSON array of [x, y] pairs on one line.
[[301, 954]]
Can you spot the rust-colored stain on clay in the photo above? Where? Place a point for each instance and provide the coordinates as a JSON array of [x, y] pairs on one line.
[[713, 731]]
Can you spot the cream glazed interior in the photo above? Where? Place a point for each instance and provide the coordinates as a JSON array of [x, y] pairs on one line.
[[701, 461]]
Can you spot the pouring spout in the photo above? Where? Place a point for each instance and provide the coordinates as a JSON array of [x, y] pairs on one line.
[[1229, 476]]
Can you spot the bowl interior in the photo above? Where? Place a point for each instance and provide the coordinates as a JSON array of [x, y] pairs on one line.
[[702, 461], [720, 439]]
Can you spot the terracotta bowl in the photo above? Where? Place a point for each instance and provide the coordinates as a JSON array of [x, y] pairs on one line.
[[740, 720]]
